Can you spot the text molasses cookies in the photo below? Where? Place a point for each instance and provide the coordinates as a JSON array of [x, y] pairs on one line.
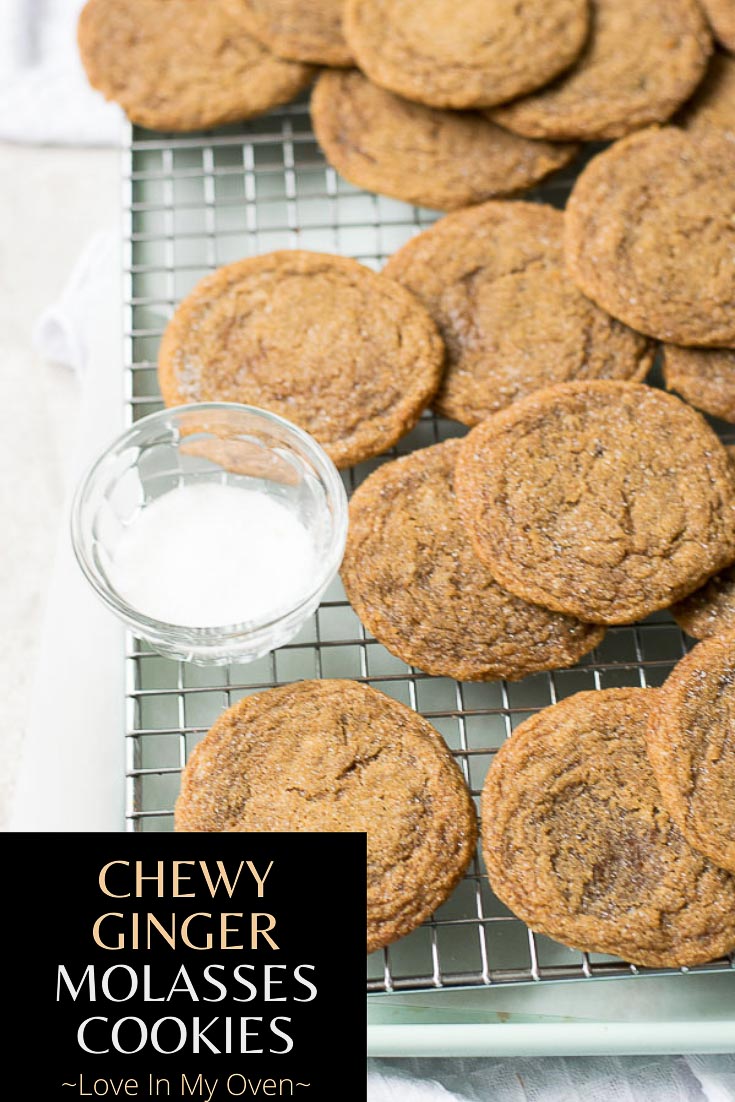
[[182, 66], [474, 54], [642, 60], [301, 32], [344, 353], [339, 756], [578, 844], [494, 281], [423, 155], [415, 582], [691, 744], [650, 234], [605, 500]]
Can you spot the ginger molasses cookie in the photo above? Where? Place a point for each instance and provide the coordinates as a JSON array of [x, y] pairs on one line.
[[301, 32], [494, 281], [691, 744], [474, 54], [650, 234], [704, 376], [180, 65], [721, 14], [578, 844], [711, 609], [642, 60], [321, 340], [605, 500], [423, 155], [412, 577], [714, 104], [339, 756]]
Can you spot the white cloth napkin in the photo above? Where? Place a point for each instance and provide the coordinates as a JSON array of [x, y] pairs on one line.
[[583, 1079], [45, 98]]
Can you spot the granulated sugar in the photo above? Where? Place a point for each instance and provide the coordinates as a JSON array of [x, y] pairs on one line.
[[208, 555]]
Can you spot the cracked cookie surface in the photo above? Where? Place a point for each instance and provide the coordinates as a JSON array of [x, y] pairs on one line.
[[578, 844], [494, 281], [642, 60], [473, 54], [650, 234], [691, 744], [414, 580], [325, 342], [605, 500], [423, 155], [340, 756], [182, 66], [300, 32]]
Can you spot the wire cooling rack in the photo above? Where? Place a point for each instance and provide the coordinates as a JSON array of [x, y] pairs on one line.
[[193, 203]]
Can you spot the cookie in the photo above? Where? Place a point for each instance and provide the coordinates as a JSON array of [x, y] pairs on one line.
[[339, 756], [643, 59], [493, 279], [704, 376], [301, 32], [342, 352], [476, 54], [721, 15], [714, 104], [423, 155], [578, 844], [411, 575], [605, 500], [711, 609], [650, 234], [691, 745], [182, 66]]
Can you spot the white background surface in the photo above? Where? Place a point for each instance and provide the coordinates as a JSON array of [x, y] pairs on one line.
[[52, 200]]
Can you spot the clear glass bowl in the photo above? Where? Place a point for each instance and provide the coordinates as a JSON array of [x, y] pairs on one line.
[[216, 442]]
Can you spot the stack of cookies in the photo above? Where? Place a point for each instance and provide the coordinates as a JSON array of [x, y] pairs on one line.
[[579, 498], [609, 819]]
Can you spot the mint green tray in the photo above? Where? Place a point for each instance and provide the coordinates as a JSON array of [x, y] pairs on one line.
[[671, 1014]]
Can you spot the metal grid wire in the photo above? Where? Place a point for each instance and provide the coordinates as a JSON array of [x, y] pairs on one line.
[[191, 204]]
